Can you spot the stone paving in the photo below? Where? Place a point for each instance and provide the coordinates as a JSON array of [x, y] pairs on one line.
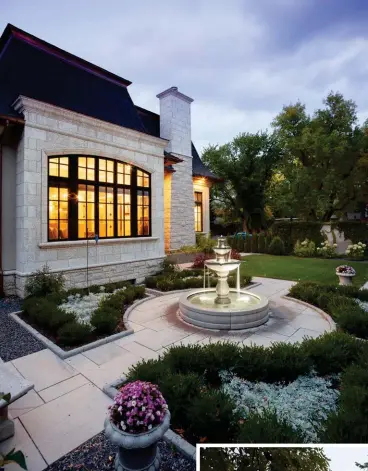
[[67, 406]]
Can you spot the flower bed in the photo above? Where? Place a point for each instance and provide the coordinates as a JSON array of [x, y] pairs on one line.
[[79, 316], [330, 372], [338, 301]]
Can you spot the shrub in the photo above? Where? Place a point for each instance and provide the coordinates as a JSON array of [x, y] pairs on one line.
[[212, 418], [245, 280], [248, 243], [150, 281], [59, 318], [240, 244], [332, 352], [291, 231], [74, 334], [235, 255], [353, 320], [169, 267], [219, 356], [199, 260], [43, 282], [149, 370], [349, 423], [205, 243], [104, 320], [356, 251], [186, 359], [353, 230], [45, 314], [327, 250], [268, 428], [179, 391], [307, 248], [276, 246]]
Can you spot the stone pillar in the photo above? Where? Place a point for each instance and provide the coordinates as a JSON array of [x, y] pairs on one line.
[[175, 126]]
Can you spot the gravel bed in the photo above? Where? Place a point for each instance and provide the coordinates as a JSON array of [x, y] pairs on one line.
[[98, 454], [15, 341]]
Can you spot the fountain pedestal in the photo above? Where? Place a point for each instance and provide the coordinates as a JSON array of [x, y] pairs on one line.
[[222, 289]]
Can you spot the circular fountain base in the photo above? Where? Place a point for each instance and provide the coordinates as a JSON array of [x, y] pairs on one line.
[[244, 311]]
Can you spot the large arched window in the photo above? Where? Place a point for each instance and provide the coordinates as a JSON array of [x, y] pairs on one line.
[[93, 195]]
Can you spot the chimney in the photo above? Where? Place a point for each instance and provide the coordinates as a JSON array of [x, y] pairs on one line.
[[175, 122]]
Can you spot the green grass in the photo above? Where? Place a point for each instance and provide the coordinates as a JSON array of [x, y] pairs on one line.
[[300, 269]]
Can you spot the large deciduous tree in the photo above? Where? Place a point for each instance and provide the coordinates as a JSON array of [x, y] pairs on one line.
[[263, 459], [325, 167], [246, 165]]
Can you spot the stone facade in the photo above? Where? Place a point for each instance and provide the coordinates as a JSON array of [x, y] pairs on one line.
[[175, 126], [48, 131]]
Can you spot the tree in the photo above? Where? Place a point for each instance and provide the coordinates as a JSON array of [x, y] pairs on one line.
[[246, 165], [325, 168], [263, 459], [362, 466]]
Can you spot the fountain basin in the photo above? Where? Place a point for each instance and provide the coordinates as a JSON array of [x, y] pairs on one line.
[[223, 267], [245, 310]]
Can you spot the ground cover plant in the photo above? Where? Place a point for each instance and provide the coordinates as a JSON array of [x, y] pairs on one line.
[[347, 305], [226, 393], [74, 317], [300, 269], [172, 278]]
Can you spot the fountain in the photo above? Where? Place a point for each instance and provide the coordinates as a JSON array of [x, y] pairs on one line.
[[223, 308]]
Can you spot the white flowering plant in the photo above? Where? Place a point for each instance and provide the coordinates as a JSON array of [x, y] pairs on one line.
[[345, 270], [327, 250], [356, 251], [303, 403], [307, 248]]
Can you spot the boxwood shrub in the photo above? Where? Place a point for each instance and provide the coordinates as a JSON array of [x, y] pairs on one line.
[[338, 301], [189, 379]]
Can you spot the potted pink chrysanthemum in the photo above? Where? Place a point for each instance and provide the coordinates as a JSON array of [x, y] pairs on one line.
[[137, 420]]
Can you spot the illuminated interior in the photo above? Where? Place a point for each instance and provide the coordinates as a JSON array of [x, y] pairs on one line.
[[91, 196], [198, 211]]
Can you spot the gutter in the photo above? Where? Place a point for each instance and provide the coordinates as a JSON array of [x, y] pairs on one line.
[[1, 209]]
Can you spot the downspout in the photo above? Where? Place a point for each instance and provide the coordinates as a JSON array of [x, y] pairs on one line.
[[1, 209]]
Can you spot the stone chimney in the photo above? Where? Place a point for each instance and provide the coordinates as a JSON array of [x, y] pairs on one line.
[[175, 126], [175, 122]]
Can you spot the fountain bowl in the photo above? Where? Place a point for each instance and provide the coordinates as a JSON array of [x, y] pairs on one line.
[[245, 310]]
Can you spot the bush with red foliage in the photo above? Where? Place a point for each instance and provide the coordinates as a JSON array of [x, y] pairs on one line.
[[235, 255], [199, 260]]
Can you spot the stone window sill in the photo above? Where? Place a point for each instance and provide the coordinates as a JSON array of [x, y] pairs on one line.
[[92, 242]]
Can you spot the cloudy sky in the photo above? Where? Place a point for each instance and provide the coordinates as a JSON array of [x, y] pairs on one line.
[[241, 60], [343, 458]]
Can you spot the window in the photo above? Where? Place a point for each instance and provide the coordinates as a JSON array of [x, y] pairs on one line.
[[198, 211], [90, 195]]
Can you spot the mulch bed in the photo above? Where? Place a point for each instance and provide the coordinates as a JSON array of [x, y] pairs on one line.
[[98, 454], [15, 341]]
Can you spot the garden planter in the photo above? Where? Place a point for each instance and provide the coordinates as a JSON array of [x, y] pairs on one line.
[[137, 452], [345, 279]]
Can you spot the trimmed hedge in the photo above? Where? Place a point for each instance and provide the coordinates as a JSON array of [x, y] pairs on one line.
[[355, 231], [64, 329], [189, 379], [338, 301], [291, 232]]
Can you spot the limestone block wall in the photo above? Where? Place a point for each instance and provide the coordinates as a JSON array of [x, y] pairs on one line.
[[50, 130], [182, 205]]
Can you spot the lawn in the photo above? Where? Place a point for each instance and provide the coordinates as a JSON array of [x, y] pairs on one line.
[[300, 269]]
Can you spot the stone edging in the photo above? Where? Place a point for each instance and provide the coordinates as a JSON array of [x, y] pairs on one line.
[[171, 437], [63, 354], [323, 314]]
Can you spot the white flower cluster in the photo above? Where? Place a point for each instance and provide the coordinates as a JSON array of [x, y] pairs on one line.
[[363, 304], [327, 250], [356, 250], [304, 403], [84, 306]]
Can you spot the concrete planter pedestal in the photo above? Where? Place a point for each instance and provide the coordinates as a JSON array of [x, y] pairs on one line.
[[345, 279], [137, 452]]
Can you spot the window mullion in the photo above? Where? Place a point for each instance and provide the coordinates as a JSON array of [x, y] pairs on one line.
[[133, 199]]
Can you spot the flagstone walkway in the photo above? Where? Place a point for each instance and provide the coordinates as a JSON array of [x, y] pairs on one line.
[[68, 407]]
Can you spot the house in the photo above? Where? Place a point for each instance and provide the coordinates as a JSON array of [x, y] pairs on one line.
[[88, 177]]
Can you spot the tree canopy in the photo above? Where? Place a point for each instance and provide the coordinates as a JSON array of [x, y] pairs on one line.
[[325, 165], [263, 459], [246, 165]]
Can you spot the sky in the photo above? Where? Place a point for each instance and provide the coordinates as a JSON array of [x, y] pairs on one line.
[[240, 60], [343, 458]]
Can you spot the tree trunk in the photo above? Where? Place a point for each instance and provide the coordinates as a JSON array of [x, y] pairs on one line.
[[245, 226], [327, 215]]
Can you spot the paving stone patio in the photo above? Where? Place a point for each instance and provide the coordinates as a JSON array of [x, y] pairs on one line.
[[67, 406]]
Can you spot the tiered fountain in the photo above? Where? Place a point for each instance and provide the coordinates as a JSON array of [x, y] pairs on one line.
[[222, 308]]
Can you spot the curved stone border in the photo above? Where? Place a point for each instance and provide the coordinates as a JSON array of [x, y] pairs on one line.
[[64, 354], [171, 437], [323, 314]]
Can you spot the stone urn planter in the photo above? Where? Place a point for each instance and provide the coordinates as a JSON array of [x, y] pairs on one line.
[[137, 420], [345, 275]]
